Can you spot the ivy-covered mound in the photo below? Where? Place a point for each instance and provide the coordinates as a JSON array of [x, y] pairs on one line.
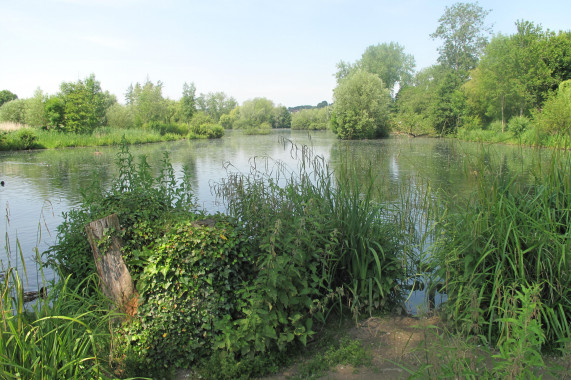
[[187, 280]]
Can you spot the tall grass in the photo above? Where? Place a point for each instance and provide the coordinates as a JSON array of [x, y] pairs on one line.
[[343, 213], [507, 237], [63, 335]]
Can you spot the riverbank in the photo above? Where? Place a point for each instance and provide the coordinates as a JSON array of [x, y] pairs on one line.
[[19, 137]]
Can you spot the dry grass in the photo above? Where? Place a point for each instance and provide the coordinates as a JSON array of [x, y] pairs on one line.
[[8, 126]]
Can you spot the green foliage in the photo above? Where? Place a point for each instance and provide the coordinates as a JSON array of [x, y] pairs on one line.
[[463, 31], [347, 352], [55, 112], [26, 138], [207, 130], [172, 128], [522, 337], [503, 239], [7, 96], [361, 107], [187, 281], [188, 101], [390, 63], [13, 111], [513, 76], [555, 117], [202, 126], [215, 104], [120, 116], [148, 103], [281, 117], [141, 202], [311, 119], [63, 335], [314, 241], [36, 109], [255, 114], [84, 105], [518, 124]]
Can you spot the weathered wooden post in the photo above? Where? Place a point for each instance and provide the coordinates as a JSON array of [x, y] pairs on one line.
[[115, 277]]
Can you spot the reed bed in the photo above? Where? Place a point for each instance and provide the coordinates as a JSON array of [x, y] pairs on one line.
[[507, 240]]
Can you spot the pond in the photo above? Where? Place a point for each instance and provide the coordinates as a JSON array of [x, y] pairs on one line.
[[41, 185]]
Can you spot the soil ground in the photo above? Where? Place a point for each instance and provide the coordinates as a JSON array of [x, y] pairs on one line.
[[401, 345]]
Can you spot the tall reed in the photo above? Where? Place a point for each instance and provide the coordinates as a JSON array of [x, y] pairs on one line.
[[508, 236], [341, 210]]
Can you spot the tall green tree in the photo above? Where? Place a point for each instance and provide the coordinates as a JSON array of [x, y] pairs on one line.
[[148, 102], [464, 36], [6, 96], [216, 104], [13, 111], [390, 63], [557, 55], [55, 112], [188, 101], [281, 117], [433, 104], [255, 114], [35, 110], [387, 60], [514, 74], [84, 105], [361, 107]]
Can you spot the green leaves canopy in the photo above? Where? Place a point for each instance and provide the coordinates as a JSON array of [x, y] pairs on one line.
[[361, 107], [463, 32]]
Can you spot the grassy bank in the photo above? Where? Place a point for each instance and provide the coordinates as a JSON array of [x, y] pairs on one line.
[[19, 137]]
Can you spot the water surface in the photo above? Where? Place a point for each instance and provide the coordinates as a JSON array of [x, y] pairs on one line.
[[41, 185]]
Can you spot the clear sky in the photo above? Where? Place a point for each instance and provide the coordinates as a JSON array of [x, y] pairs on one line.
[[282, 50]]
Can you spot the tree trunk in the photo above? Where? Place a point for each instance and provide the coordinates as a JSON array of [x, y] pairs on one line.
[[115, 278]]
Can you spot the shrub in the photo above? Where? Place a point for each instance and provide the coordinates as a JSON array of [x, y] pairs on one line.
[[141, 202], [164, 128], [26, 138], [120, 116], [13, 111], [315, 236], [518, 124], [497, 126], [555, 117]]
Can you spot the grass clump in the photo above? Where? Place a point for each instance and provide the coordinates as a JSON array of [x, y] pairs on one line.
[[63, 335]]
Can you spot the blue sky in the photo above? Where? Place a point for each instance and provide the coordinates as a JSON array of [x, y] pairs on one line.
[[283, 50]]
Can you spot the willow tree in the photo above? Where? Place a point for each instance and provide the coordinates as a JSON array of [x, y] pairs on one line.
[[361, 107]]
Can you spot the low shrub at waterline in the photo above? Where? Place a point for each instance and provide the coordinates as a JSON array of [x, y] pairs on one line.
[[505, 239]]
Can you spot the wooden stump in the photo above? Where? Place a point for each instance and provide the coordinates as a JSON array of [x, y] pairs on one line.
[[106, 246]]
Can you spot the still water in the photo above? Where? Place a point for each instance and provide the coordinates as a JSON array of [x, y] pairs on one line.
[[41, 185]]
